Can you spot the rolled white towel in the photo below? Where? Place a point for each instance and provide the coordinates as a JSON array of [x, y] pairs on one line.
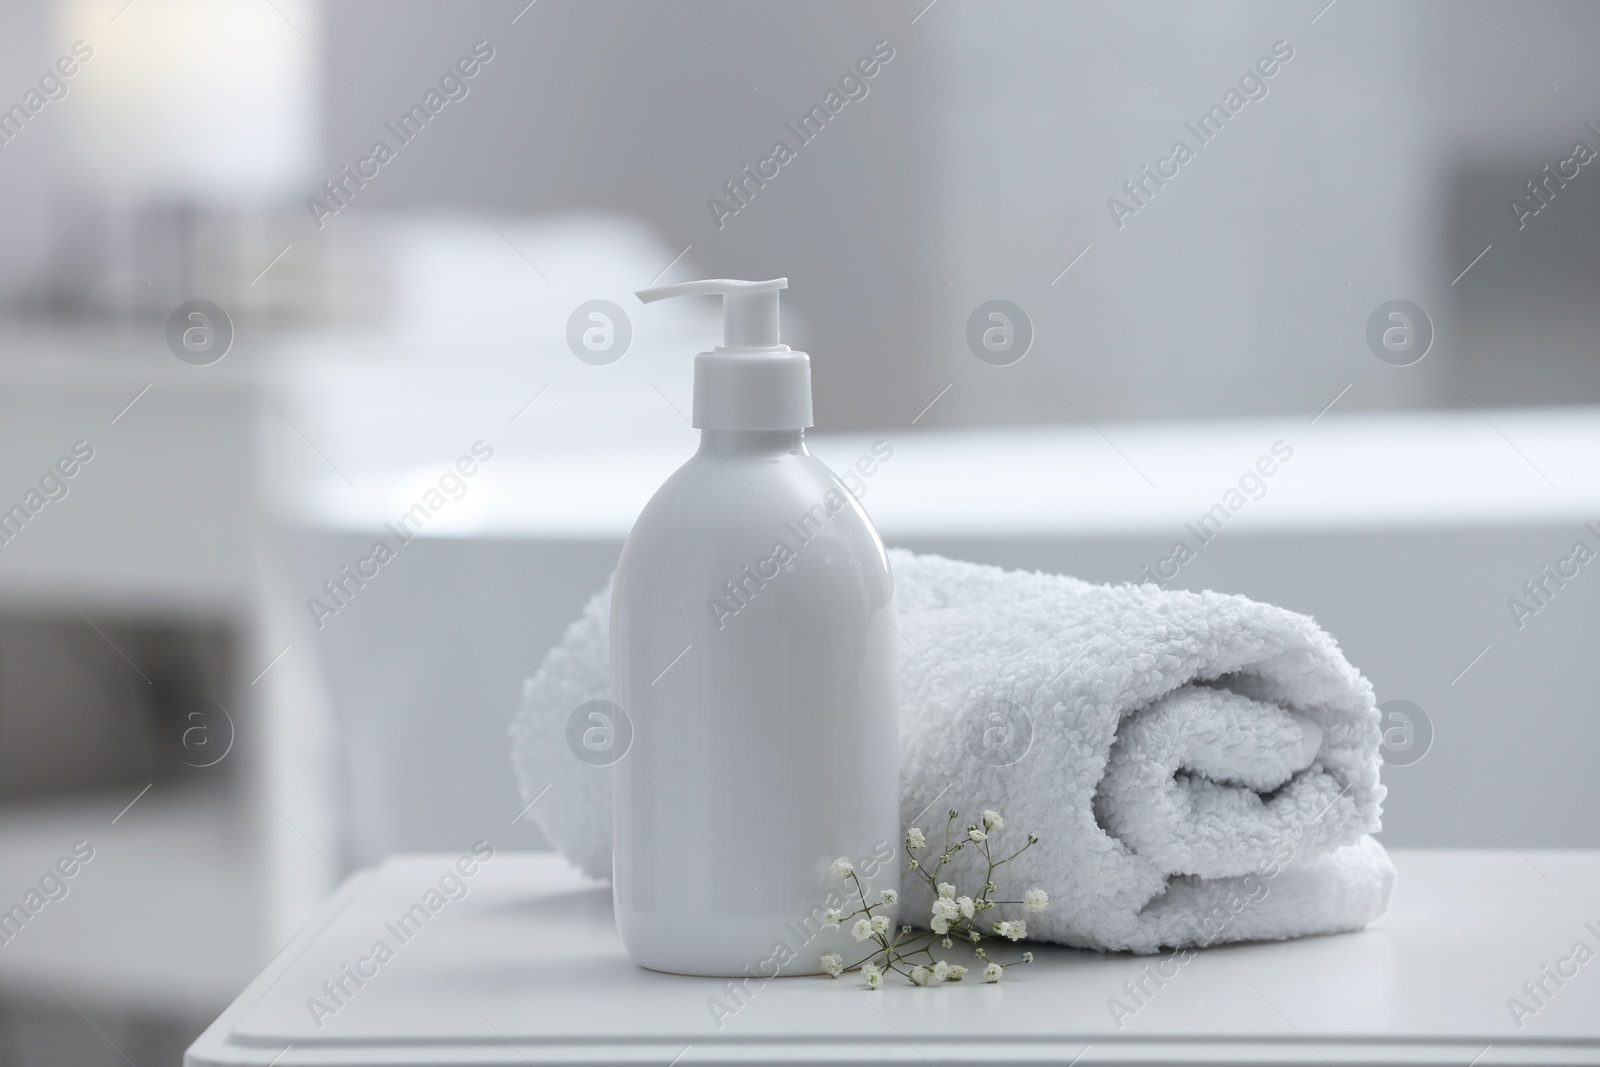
[[574, 808], [1200, 768]]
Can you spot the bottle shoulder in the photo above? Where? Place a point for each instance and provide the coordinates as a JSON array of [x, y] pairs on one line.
[[715, 509], [714, 491]]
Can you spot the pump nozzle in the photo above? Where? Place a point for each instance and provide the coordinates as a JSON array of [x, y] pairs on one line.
[[749, 309], [751, 381]]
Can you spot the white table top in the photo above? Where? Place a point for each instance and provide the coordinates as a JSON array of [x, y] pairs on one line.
[[527, 968]]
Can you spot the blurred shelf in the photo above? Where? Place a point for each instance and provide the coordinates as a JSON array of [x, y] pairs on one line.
[[167, 919]]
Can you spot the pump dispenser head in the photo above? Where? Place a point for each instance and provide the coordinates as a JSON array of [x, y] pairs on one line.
[[751, 381]]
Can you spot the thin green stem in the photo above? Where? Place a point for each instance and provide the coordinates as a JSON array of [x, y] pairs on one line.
[[900, 948]]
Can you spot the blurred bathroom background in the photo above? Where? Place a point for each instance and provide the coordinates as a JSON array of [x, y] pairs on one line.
[[171, 692]]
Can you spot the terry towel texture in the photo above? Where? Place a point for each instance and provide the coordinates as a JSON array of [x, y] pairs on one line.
[[1200, 768]]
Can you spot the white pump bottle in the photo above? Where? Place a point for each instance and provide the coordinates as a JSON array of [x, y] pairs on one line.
[[753, 647]]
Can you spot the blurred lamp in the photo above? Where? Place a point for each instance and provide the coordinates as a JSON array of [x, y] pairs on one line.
[[205, 101]]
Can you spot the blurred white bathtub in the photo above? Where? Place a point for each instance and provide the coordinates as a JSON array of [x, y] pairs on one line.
[[1404, 534]]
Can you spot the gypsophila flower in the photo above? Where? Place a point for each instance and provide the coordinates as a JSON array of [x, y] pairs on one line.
[[952, 916]]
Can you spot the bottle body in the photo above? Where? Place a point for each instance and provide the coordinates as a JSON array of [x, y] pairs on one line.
[[753, 648]]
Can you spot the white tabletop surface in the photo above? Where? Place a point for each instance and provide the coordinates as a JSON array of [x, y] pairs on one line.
[[527, 968]]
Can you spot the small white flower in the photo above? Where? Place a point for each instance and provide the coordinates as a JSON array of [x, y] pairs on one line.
[[992, 820], [947, 891], [945, 908], [831, 918], [1015, 929], [993, 972], [861, 930], [976, 834], [965, 905], [914, 838], [957, 973], [833, 965], [842, 868], [1027, 957], [880, 924], [941, 971], [920, 975], [1036, 900], [939, 925], [874, 977], [888, 896]]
